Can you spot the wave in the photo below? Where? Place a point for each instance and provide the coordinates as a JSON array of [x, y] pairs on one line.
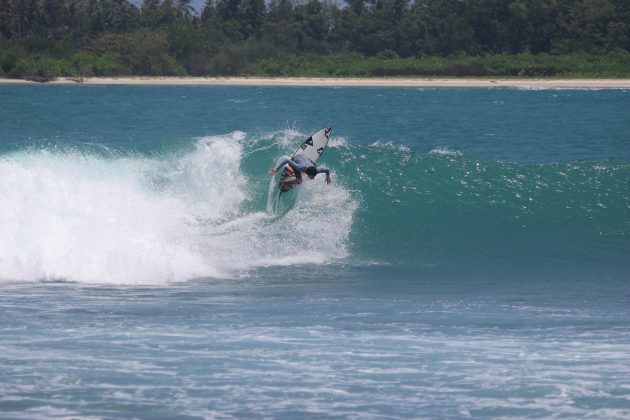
[[203, 210], [110, 218]]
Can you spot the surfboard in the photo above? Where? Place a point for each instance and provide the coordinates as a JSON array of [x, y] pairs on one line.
[[313, 147]]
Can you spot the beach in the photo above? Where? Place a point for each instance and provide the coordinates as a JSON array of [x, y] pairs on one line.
[[340, 82]]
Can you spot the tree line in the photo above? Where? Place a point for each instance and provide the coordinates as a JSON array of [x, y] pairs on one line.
[[48, 38]]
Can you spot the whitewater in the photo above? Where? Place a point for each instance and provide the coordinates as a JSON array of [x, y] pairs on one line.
[[77, 216], [469, 259]]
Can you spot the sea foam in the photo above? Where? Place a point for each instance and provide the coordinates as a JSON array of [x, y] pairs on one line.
[[71, 216]]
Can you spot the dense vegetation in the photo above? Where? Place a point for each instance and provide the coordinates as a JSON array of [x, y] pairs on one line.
[[48, 38]]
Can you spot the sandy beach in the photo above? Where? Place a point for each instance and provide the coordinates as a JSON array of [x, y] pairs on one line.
[[338, 82]]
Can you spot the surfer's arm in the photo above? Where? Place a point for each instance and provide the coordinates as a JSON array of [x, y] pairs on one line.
[[324, 171], [277, 168]]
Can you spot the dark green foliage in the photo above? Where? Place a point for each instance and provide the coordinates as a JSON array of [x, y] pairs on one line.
[[43, 39], [614, 65]]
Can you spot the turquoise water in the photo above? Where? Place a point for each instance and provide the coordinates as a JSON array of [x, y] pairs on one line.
[[470, 258]]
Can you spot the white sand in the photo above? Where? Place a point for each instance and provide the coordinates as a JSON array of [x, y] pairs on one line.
[[315, 81]]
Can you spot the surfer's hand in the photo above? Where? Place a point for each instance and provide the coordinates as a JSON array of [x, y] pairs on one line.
[[328, 179], [273, 170]]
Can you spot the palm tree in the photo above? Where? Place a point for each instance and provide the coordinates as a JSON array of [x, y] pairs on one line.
[[185, 9]]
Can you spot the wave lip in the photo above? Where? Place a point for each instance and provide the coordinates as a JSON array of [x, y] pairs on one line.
[[444, 151]]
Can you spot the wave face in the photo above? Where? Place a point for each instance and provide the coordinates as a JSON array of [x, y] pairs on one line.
[[80, 216], [446, 209]]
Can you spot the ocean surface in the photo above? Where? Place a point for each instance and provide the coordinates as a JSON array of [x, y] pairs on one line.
[[471, 257]]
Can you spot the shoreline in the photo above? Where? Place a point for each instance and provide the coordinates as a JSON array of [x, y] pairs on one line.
[[338, 82]]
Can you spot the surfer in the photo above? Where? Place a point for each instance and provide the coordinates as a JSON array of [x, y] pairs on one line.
[[301, 164]]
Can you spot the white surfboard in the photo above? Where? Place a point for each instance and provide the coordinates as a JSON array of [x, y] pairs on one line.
[[314, 146]]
